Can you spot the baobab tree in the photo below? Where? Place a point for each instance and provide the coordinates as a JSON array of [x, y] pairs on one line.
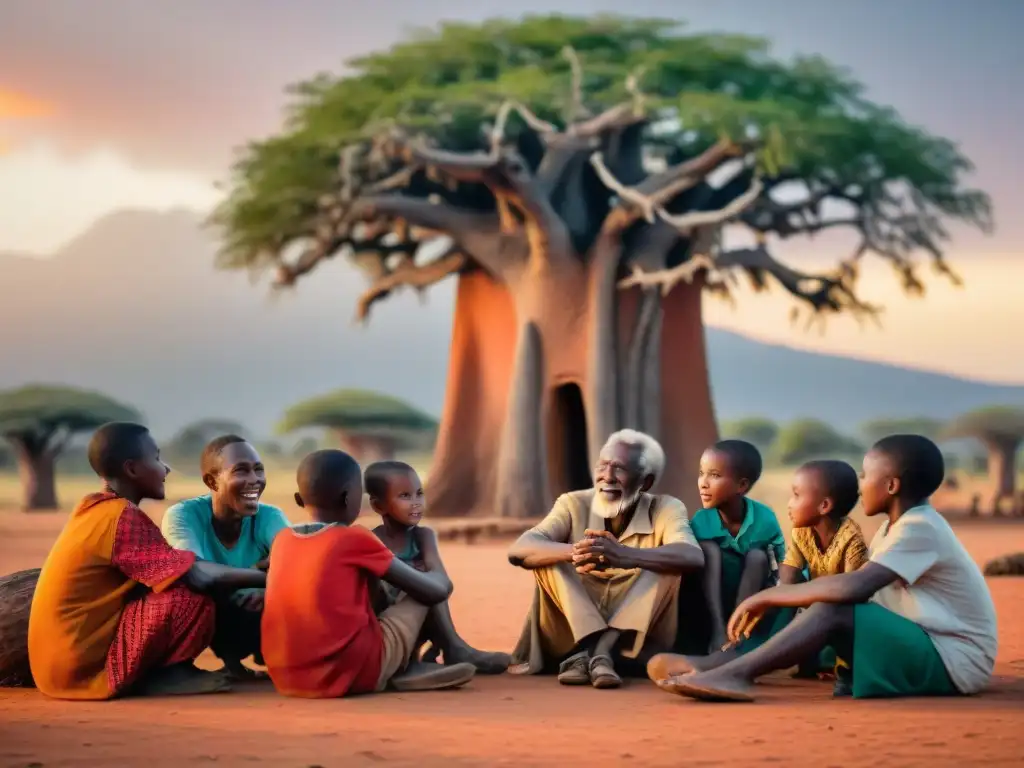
[[370, 425], [575, 175], [1000, 429], [38, 422]]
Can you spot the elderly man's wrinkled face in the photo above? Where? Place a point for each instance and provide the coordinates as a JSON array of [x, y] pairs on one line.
[[618, 480]]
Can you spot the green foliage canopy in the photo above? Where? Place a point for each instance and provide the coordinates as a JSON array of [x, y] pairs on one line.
[[41, 417], [356, 411], [876, 429], [993, 424], [758, 430], [808, 439], [809, 123]]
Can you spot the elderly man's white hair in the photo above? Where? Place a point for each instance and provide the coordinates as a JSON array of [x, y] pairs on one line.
[[652, 456]]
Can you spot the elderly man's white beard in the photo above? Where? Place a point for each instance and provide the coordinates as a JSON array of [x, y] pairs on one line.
[[608, 509]]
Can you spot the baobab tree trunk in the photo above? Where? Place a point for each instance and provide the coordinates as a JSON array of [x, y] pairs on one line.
[[1002, 470], [367, 448], [523, 395], [37, 470], [463, 475]]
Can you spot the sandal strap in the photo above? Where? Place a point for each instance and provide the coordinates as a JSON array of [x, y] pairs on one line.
[[576, 660]]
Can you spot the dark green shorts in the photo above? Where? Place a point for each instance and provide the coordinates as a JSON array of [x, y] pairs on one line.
[[893, 656]]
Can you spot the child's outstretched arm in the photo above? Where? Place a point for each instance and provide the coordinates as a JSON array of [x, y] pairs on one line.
[[856, 587], [429, 587], [205, 576]]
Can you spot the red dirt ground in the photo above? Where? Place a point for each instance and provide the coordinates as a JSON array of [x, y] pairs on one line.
[[506, 720]]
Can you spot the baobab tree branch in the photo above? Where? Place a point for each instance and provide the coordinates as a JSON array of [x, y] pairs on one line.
[[321, 249], [823, 293], [687, 222], [419, 213], [408, 273], [647, 197]]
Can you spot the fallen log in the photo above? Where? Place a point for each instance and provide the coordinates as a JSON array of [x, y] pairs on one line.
[[16, 592], [1007, 565]]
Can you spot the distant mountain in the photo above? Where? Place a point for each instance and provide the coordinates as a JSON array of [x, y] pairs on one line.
[[134, 307]]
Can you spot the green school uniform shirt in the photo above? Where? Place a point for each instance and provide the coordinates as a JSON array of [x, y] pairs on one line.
[[189, 525], [760, 530]]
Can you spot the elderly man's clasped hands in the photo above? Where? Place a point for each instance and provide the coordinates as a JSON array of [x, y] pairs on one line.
[[598, 550]]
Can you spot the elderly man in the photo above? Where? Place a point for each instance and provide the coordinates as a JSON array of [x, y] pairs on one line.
[[608, 563]]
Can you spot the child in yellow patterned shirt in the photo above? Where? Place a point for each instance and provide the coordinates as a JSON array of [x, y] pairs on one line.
[[824, 541]]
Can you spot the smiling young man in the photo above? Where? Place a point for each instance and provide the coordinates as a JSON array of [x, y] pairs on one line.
[[230, 526], [608, 563], [117, 611]]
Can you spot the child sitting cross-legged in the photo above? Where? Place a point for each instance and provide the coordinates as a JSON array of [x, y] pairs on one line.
[[321, 636], [916, 620], [825, 541], [741, 538], [396, 494]]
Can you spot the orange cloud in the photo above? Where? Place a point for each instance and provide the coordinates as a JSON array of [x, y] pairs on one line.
[[19, 105]]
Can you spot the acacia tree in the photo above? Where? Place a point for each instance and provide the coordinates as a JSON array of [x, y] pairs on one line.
[[875, 429], [576, 174], [758, 430], [369, 425], [806, 439], [1000, 429], [189, 442], [38, 422]]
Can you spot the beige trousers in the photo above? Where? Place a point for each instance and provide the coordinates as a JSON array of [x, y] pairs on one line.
[[569, 606], [400, 626]]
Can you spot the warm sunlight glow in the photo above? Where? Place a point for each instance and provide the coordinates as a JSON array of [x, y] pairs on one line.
[[962, 331], [20, 105], [47, 198]]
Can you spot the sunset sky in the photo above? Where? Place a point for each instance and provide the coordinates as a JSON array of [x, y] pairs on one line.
[[107, 104]]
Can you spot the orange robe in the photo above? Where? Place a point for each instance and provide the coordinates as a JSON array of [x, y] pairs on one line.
[[108, 607]]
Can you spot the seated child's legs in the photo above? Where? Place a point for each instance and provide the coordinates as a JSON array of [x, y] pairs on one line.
[[891, 656], [820, 625], [755, 575], [712, 578], [401, 626], [161, 630], [236, 636]]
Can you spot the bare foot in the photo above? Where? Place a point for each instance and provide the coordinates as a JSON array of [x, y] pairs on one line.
[[486, 662], [182, 680], [420, 676], [237, 672], [666, 665], [709, 686]]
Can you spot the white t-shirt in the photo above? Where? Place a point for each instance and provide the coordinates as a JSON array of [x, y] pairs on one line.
[[942, 590]]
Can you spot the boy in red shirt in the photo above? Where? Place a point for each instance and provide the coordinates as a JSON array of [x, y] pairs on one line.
[[321, 637]]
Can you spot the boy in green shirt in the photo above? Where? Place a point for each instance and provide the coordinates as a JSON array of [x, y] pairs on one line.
[[741, 538]]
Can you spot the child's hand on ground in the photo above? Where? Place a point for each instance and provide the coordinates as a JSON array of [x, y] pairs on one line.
[[745, 618]]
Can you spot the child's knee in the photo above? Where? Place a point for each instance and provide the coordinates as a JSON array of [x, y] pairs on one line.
[[838, 616], [711, 550], [757, 559]]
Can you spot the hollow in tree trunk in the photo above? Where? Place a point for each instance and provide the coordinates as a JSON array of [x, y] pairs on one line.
[[522, 395]]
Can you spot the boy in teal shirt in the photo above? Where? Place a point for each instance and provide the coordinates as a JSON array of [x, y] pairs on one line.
[[741, 538], [231, 527]]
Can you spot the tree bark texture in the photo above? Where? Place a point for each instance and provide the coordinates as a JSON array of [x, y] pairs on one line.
[[367, 449], [504, 416], [1002, 469], [16, 592], [37, 470]]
